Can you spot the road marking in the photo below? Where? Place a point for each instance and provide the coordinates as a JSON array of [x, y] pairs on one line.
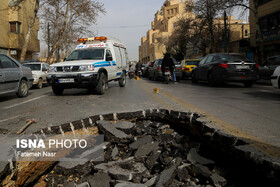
[[30, 100], [9, 119], [267, 91]]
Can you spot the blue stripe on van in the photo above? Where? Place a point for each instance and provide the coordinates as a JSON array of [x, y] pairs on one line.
[[120, 73], [104, 64]]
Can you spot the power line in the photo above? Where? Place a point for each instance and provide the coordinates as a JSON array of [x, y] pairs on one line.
[[122, 27]]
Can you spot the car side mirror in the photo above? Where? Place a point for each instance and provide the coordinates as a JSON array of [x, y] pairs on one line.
[[109, 58], [44, 69]]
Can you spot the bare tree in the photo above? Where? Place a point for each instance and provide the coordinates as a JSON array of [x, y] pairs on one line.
[[253, 8], [206, 11], [68, 19]]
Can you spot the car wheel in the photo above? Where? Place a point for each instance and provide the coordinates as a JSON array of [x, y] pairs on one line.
[[122, 80], [23, 89], [248, 84], [101, 86], [57, 90], [194, 80], [40, 84]]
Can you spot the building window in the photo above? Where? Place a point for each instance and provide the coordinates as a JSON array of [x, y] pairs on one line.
[[270, 22], [246, 32], [261, 2], [15, 27]]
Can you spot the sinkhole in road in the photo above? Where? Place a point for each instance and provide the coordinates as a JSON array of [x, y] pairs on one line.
[[154, 147]]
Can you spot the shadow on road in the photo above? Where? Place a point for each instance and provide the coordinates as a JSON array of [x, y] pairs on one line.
[[271, 96]]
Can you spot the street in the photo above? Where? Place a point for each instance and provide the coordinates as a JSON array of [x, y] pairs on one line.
[[251, 113]]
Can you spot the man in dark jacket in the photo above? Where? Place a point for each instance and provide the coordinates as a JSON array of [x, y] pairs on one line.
[[167, 62], [138, 67]]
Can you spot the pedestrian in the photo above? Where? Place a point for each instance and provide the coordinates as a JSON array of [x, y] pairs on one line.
[[167, 62]]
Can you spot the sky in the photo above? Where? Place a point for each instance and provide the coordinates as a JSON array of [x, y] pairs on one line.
[[127, 20]]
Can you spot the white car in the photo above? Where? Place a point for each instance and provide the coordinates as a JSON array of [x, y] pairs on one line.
[[39, 72], [275, 80]]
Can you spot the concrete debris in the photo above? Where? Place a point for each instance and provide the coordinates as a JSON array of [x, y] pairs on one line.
[[115, 152], [141, 141], [146, 149], [194, 157], [152, 181], [85, 184], [218, 180], [129, 184], [141, 153], [124, 125], [100, 180], [126, 169]]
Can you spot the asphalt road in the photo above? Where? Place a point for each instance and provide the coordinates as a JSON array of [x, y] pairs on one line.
[[252, 113]]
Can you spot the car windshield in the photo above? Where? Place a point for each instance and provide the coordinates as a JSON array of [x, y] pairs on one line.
[[231, 57], [33, 67], [193, 62], [86, 54]]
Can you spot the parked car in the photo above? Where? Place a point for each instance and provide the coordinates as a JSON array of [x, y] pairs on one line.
[[39, 72], [155, 71], [275, 78], [178, 70], [188, 65], [146, 68], [268, 66], [226, 67], [14, 78]]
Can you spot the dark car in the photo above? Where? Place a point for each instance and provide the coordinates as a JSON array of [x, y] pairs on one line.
[[226, 67], [155, 71], [267, 68], [14, 78], [146, 68]]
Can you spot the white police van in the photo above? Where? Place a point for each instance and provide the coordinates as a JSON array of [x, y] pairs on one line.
[[95, 62]]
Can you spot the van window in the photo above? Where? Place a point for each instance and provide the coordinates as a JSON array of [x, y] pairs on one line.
[[108, 54], [118, 54], [123, 55], [86, 54]]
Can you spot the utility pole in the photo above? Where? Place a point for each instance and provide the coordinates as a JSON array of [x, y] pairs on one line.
[[48, 32], [226, 33]]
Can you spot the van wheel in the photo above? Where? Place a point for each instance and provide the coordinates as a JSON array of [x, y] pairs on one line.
[[23, 89], [57, 90], [122, 80], [101, 86], [40, 84]]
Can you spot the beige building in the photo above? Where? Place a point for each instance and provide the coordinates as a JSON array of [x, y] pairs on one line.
[[152, 46], [269, 20], [238, 35], [13, 28]]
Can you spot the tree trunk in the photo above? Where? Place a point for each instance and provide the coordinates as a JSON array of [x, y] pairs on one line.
[[62, 30], [28, 34]]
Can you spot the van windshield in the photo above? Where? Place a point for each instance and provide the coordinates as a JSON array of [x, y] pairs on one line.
[[86, 54]]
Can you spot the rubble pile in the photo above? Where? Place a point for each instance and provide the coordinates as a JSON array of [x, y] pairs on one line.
[[155, 147], [145, 153]]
